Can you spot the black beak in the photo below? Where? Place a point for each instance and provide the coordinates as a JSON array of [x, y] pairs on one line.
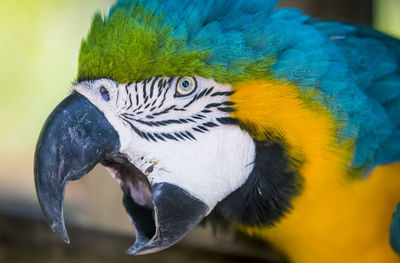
[[176, 212], [77, 136]]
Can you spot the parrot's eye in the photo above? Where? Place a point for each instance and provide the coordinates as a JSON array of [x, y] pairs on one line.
[[104, 93], [185, 86]]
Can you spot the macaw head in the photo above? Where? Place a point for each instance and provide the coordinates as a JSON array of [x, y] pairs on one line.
[[154, 103]]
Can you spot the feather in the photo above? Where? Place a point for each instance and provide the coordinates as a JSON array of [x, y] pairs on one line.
[[373, 79]]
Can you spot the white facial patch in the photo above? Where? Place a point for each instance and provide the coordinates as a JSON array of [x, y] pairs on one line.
[[186, 140]]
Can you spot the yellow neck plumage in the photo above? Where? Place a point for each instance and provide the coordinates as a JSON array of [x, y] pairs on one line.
[[277, 108], [334, 219]]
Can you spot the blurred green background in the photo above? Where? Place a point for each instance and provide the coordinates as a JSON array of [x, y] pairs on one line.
[[387, 16], [39, 44]]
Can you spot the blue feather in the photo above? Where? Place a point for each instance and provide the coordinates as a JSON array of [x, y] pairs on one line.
[[230, 28], [357, 72], [373, 65]]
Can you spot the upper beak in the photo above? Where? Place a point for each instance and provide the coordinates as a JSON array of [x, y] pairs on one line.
[[77, 136]]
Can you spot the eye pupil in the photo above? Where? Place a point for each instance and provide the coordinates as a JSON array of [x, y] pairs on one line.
[[185, 84], [104, 94]]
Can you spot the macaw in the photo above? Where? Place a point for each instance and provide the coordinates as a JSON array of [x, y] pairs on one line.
[[286, 127]]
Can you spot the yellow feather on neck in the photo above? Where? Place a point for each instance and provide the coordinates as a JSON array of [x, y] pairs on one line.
[[334, 219], [278, 108]]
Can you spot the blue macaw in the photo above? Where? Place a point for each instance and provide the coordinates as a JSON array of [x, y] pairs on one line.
[[285, 126]]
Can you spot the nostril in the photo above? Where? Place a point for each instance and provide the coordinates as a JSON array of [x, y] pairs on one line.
[[104, 93], [149, 170]]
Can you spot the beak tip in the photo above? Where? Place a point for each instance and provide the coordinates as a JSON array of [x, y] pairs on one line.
[[139, 249], [132, 250], [66, 240], [64, 237], [60, 231]]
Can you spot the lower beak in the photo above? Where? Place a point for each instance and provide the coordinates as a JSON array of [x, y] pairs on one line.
[[176, 212], [77, 136]]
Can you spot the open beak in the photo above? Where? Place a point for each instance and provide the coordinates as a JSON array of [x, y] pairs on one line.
[[76, 137]]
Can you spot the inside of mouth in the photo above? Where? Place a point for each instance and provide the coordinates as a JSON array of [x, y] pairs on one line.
[[137, 198]]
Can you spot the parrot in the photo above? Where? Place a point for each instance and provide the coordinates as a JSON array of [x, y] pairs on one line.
[[282, 126]]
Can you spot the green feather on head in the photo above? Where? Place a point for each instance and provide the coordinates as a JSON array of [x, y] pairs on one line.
[[136, 43]]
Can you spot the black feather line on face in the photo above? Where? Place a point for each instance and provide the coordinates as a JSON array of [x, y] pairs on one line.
[[266, 195], [151, 99]]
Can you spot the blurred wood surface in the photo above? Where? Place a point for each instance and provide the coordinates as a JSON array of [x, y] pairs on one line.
[[26, 240], [354, 11]]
